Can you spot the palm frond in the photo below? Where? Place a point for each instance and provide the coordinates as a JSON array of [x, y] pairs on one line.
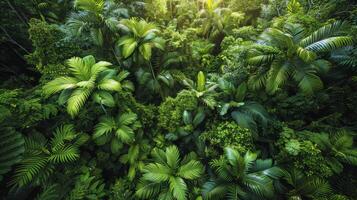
[[11, 149], [147, 189], [172, 156], [95, 6], [77, 100], [277, 76], [324, 32], [125, 134], [178, 188], [330, 44], [67, 153], [49, 192], [127, 118], [61, 135], [212, 190], [310, 83], [59, 84], [259, 185], [192, 170], [79, 68], [156, 172], [306, 55], [261, 59], [105, 126], [28, 170]]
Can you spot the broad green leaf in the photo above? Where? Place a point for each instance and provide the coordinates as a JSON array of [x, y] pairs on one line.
[[241, 91], [187, 117], [109, 85], [104, 98], [128, 49], [145, 51], [199, 117], [201, 81]]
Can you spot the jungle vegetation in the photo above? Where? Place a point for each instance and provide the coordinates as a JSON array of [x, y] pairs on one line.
[[178, 100]]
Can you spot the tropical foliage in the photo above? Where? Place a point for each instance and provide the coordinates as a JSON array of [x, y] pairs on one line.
[[178, 99], [241, 177]]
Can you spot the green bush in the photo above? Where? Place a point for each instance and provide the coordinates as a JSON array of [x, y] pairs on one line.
[[171, 110], [229, 134]]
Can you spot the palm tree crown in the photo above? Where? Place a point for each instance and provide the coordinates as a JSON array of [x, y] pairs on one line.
[[96, 17], [86, 77], [203, 90], [122, 127], [140, 39], [292, 54], [167, 176], [241, 177]]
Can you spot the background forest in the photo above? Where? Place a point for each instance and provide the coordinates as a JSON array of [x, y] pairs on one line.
[[178, 99]]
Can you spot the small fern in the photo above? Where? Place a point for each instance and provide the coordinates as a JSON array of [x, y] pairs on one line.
[[42, 156]]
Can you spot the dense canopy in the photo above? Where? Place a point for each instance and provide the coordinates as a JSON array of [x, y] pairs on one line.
[[178, 100]]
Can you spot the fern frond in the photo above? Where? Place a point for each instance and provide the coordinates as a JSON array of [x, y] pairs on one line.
[[106, 125], [66, 153], [28, 169], [11, 149], [61, 135]]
